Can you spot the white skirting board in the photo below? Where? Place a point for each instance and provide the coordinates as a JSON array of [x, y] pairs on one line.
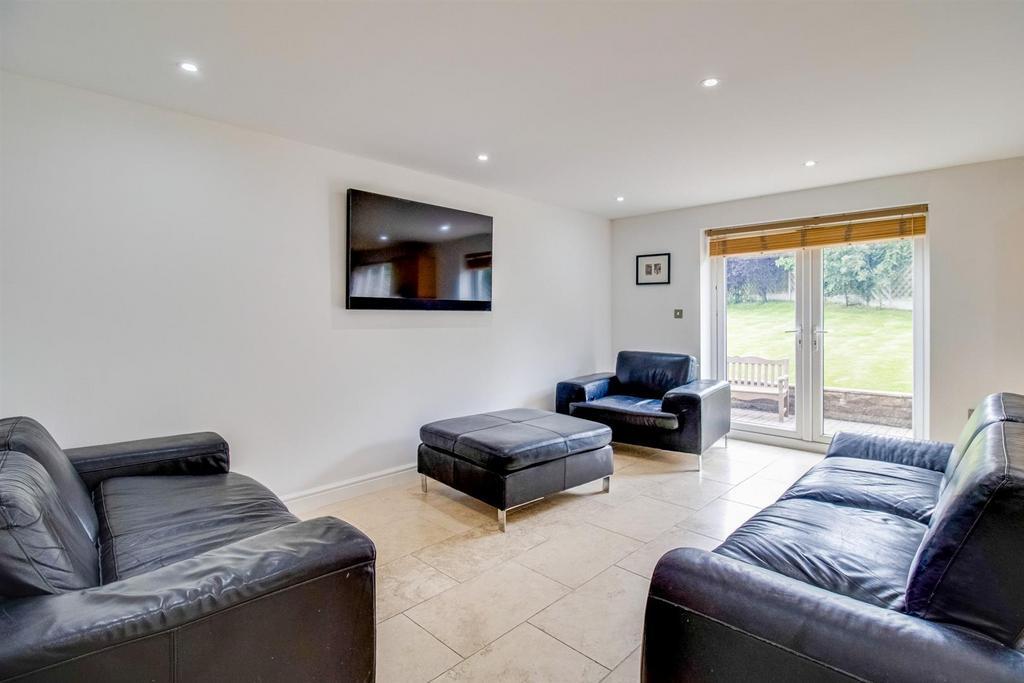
[[307, 501]]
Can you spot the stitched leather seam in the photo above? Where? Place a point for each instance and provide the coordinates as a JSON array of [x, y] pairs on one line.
[[174, 655], [462, 434], [9, 529], [32, 563], [963, 541], [170, 457], [113, 537], [135, 617], [7, 438], [770, 643]]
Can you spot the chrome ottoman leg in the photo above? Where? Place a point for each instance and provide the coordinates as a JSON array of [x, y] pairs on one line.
[[501, 520], [606, 484], [423, 483]]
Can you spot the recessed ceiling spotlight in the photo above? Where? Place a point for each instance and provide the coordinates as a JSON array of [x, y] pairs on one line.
[[189, 67], [482, 157], [445, 228], [383, 238], [620, 199], [810, 162], [710, 82]]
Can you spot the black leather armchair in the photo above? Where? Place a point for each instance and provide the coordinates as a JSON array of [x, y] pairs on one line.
[[892, 560], [652, 399], [150, 560]]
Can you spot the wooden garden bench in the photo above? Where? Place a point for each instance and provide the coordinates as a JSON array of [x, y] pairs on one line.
[[752, 377]]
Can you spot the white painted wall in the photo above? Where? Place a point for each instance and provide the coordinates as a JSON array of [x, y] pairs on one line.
[[164, 273], [975, 248]]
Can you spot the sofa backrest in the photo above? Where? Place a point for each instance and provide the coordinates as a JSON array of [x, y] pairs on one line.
[[25, 435], [993, 408], [43, 547], [967, 569], [651, 374]]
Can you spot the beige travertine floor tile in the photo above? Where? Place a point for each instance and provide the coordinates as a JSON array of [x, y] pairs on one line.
[[407, 582], [790, 467], [642, 519], [729, 470], [473, 614], [643, 560], [719, 518], [623, 489], [688, 489], [555, 516], [578, 556], [757, 491], [667, 461], [658, 502], [408, 654], [464, 556], [603, 619], [404, 536], [455, 504], [628, 671], [526, 654], [746, 451], [385, 507], [625, 455]]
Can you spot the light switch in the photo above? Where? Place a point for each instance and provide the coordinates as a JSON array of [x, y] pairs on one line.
[[677, 314]]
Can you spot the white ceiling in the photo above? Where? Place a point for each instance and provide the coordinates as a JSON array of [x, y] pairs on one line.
[[578, 102]]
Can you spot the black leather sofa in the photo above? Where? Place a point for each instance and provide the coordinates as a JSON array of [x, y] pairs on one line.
[[150, 561], [652, 399], [891, 560]]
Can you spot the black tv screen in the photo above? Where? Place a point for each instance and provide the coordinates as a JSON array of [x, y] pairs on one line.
[[409, 255]]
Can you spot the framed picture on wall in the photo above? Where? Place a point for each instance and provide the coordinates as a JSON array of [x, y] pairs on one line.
[[653, 269]]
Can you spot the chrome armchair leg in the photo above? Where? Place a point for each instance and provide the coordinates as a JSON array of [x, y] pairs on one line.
[[700, 463], [606, 484], [423, 483], [501, 520]]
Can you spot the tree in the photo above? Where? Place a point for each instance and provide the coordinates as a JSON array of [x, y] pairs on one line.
[[870, 272], [752, 279]]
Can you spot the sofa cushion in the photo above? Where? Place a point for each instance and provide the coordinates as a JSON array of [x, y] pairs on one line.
[[628, 410], [510, 440], [43, 548], [966, 569], [150, 522], [863, 554], [650, 374], [872, 485], [25, 435]]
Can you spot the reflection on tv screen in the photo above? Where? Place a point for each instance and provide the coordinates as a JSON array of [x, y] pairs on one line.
[[406, 254]]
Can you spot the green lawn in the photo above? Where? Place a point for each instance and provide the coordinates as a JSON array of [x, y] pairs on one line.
[[865, 348]]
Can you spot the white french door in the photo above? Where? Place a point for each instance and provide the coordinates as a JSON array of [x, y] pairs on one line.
[[820, 340]]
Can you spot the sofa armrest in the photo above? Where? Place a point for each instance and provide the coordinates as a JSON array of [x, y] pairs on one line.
[[280, 605], [712, 618], [677, 401], [930, 455], [585, 388], [199, 453]]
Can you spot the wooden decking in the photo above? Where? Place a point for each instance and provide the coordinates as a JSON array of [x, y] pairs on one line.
[[771, 419]]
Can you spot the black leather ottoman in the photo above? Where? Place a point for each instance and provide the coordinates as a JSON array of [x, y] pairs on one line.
[[512, 457]]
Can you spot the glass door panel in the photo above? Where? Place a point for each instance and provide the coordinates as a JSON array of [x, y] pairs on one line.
[[762, 336], [864, 339]]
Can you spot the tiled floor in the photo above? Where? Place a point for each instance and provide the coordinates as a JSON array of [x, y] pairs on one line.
[[771, 419], [560, 597]]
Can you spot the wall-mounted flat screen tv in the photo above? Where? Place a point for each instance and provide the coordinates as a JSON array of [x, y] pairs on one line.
[[409, 255]]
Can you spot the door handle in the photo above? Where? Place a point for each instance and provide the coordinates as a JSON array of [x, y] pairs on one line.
[[817, 337], [799, 335]]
